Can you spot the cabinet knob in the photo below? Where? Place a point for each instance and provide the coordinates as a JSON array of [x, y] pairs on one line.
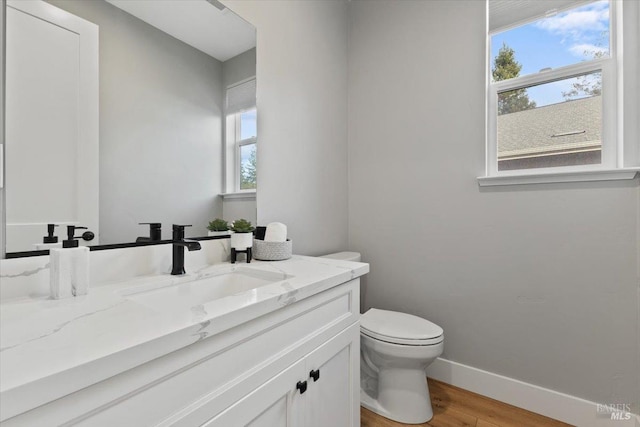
[[315, 375], [302, 386]]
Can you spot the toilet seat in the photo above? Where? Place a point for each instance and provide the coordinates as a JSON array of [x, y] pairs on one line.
[[400, 328]]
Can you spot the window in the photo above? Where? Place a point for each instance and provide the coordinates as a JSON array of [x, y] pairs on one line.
[[246, 146], [241, 137], [552, 96]]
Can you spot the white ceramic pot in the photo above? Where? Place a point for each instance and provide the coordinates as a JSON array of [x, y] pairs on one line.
[[218, 233], [241, 241]]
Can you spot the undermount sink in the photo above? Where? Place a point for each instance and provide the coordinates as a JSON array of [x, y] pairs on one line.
[[235, 280]]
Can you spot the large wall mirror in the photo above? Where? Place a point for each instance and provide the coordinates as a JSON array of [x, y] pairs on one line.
[[121, 112]]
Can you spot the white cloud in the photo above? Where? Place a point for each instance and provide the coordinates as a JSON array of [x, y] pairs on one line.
[[586, 50], [594, 17]]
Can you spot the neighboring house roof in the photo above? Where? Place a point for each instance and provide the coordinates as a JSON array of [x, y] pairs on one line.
[[566, 127]]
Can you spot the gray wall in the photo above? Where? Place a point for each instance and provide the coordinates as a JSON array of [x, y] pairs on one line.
[[160, 126], [233, 209], [536, 282], [240, 67], [302, 123]]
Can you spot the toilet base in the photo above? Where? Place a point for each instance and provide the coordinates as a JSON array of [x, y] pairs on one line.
[[371, 404], [413, 408]]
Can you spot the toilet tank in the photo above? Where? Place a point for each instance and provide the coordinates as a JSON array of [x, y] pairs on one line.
[[344, 256]]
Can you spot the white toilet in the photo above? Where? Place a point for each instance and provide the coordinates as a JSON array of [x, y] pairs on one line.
[[395, 350]]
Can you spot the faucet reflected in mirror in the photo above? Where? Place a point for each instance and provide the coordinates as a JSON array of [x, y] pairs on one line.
[[155, 232], [179, 243]]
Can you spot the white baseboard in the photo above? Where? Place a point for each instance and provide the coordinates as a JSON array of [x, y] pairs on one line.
[[559, 406]]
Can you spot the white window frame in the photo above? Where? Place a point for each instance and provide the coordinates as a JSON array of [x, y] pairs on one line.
[[239, 144], [612, 113], [234, 160], [232, 144]]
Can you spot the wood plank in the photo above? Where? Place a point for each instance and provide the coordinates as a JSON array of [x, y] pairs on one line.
[[370, 419], [444, 416], [487, 409], [456, 407]]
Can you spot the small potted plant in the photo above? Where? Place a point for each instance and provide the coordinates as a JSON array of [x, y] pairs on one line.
[[218, 227], [242, 236]]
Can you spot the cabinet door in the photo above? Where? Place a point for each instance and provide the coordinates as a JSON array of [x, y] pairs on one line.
[[334, 398], [277, 403]]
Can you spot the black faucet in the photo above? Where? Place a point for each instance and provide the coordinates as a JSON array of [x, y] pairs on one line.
[[155, 232], [179, 243]]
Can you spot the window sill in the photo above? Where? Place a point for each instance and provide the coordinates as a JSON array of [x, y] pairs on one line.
[[548, 178], [249, 194]]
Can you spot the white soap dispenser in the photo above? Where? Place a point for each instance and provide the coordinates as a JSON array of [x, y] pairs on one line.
[[69, 272]]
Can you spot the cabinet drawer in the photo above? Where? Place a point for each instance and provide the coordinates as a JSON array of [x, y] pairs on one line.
[[153, 392]]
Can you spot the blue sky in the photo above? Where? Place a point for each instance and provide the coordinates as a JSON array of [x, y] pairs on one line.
[[248, 124], [563, 39]]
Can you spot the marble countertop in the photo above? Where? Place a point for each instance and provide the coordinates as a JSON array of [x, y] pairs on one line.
[[50, 348]]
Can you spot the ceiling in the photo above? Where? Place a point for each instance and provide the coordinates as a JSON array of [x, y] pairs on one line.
[[218, 33]]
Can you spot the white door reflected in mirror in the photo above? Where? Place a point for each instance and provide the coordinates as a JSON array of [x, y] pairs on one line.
[[51, 122]]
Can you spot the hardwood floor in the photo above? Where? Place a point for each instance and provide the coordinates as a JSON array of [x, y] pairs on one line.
[[455, 407]]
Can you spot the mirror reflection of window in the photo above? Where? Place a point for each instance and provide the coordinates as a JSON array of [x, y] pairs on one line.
[[248, 124], [242, 136], [247, 146]]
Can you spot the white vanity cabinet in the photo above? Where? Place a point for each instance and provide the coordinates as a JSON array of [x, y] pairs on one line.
[[293, 398], [244, 376]]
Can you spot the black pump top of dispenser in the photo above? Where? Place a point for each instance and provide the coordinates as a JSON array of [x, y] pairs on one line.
[[50, 238], [71, 241]]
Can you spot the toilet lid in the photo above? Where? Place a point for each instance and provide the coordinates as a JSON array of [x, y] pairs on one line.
[[399, 328]]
